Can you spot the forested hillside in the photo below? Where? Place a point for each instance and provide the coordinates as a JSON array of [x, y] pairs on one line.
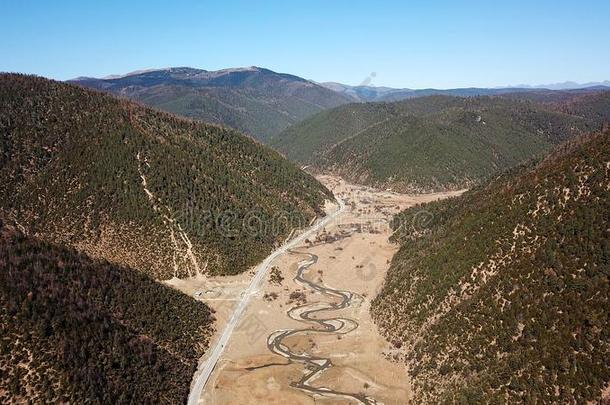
[[437, 142], [254, 100], [142, 188], [502, 295], [77, 330]]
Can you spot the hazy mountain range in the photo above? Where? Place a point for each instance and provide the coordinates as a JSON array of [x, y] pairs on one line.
[[372, 93], [568, 85], [260, 102]]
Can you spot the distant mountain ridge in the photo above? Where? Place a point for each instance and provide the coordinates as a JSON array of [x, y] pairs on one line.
[[192, 76], [254, 100], [567, 85], [261, 102], [388, 94]]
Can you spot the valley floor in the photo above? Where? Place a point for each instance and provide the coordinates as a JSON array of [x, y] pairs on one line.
[[353, 256]]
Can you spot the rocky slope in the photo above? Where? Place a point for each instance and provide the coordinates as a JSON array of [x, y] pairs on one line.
[[145, 189]]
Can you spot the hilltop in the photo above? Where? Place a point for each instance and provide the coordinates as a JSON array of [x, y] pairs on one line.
[[141, 188], [254, 100], [438, 142], [502, 294]]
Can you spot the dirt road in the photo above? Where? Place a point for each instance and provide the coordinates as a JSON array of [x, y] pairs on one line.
[[203, 374]]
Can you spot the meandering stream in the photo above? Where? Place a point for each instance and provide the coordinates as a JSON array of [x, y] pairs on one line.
[[315, 365]]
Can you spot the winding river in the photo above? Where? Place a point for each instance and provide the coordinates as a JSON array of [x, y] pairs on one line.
[[315, 365]]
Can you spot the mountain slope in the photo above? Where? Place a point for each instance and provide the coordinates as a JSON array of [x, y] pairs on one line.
[[503, 294], [257, 101], [141, 188], [435, 142], [76, 330]]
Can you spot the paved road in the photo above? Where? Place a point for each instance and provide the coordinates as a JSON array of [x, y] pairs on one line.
[[208, 367]]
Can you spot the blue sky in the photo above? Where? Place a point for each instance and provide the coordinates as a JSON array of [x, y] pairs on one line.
[[413, 44]]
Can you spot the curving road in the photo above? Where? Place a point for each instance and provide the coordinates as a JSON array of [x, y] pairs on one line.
[[205, 370], [338, 326]]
